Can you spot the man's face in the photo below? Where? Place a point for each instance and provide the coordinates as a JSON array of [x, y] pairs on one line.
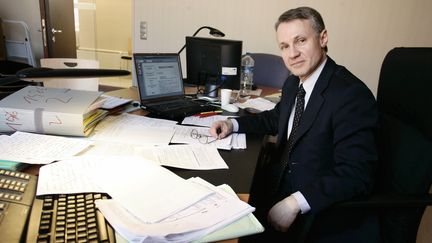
[[302, 49]]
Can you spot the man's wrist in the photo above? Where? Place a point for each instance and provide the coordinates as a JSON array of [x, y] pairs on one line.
[[301, 202], [235, 125], [292, 203]]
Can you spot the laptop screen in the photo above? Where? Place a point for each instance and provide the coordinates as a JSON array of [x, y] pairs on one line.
[[158, 75]]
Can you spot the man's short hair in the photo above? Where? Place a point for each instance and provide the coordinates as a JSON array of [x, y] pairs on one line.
[[306, 13]]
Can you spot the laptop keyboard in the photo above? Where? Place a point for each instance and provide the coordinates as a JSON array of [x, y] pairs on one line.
[[173, 105]]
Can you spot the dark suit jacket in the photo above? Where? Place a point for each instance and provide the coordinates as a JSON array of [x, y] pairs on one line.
[[334, 152]]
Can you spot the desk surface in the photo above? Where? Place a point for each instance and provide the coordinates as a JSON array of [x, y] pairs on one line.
[[241, 163]]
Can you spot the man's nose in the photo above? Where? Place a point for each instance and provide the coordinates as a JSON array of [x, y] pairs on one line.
[[293, 52]]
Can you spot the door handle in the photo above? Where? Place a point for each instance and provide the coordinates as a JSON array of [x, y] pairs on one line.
[[53, 36], [56, 31]]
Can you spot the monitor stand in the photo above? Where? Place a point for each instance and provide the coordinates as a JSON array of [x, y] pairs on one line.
[[211, 89]]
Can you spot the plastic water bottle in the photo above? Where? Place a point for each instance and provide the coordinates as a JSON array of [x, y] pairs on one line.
[[246, 77]]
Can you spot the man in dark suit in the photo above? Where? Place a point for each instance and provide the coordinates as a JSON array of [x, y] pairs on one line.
[[324, 154]]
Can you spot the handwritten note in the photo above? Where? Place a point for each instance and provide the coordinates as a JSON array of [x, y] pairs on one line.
[[39, 149], [200, 136]]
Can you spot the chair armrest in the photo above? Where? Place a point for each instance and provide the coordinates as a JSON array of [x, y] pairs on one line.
[[390, 200]]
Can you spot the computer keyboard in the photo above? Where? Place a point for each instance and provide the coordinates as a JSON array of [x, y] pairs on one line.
[[48, 218], [166, 106], [17, 191], [68, 218]]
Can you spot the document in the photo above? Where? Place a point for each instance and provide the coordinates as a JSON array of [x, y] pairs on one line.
[[147, 190], [112, 102], [134, 129], [203, 121], [204, 217], [67, 176], [257, 103], [199, 135], [39, 149], [239, 141], [194, 157]]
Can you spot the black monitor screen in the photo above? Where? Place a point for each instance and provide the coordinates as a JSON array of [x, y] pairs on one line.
[[215, 61]]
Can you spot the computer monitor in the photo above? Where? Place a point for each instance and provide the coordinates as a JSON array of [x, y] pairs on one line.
[[213, 61]]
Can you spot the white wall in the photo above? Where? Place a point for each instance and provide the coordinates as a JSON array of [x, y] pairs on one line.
[[361, 32], [105, 32]]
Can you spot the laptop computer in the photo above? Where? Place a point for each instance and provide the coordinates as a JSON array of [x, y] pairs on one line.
[[160, 85]]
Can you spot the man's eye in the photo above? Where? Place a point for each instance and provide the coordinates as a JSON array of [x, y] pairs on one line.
[[283, 47]]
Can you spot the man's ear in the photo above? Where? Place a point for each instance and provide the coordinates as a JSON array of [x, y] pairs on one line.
[[323, 38]]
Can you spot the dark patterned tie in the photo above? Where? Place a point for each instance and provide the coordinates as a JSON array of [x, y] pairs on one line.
[[300, 101]]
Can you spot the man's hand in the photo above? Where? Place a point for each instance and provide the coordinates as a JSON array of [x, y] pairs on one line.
[[221, 129], [283, 214]]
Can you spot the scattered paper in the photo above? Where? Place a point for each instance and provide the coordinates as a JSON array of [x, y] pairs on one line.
[[67, 176], [239, 141], [39, 149], [149, 191], [203, 121], [194, 157], [139, 185], [257, 103], [199, 135], [134, 129]]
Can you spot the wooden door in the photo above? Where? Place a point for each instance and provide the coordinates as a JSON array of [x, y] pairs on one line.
[[58, 27]]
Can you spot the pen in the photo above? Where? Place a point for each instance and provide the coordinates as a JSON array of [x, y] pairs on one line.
[[208, 113]]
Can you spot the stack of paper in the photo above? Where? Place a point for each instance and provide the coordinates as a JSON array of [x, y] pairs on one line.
[[51, 111], [214, 212], [152, 204]]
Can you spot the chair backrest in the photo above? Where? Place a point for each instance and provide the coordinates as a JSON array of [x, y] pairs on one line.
[[269, 70], [91, 84], [2, 42], [405, 136], [17, 42]]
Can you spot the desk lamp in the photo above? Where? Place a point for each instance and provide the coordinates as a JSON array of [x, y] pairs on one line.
[[213, 32]]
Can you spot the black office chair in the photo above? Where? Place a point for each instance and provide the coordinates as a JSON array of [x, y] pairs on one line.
[[269, 70], [405, 143], [404, 176]]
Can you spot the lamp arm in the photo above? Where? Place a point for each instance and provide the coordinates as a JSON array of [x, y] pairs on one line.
[[213, 32]]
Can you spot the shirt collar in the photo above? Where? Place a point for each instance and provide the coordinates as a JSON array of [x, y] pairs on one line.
[[310, 82]]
